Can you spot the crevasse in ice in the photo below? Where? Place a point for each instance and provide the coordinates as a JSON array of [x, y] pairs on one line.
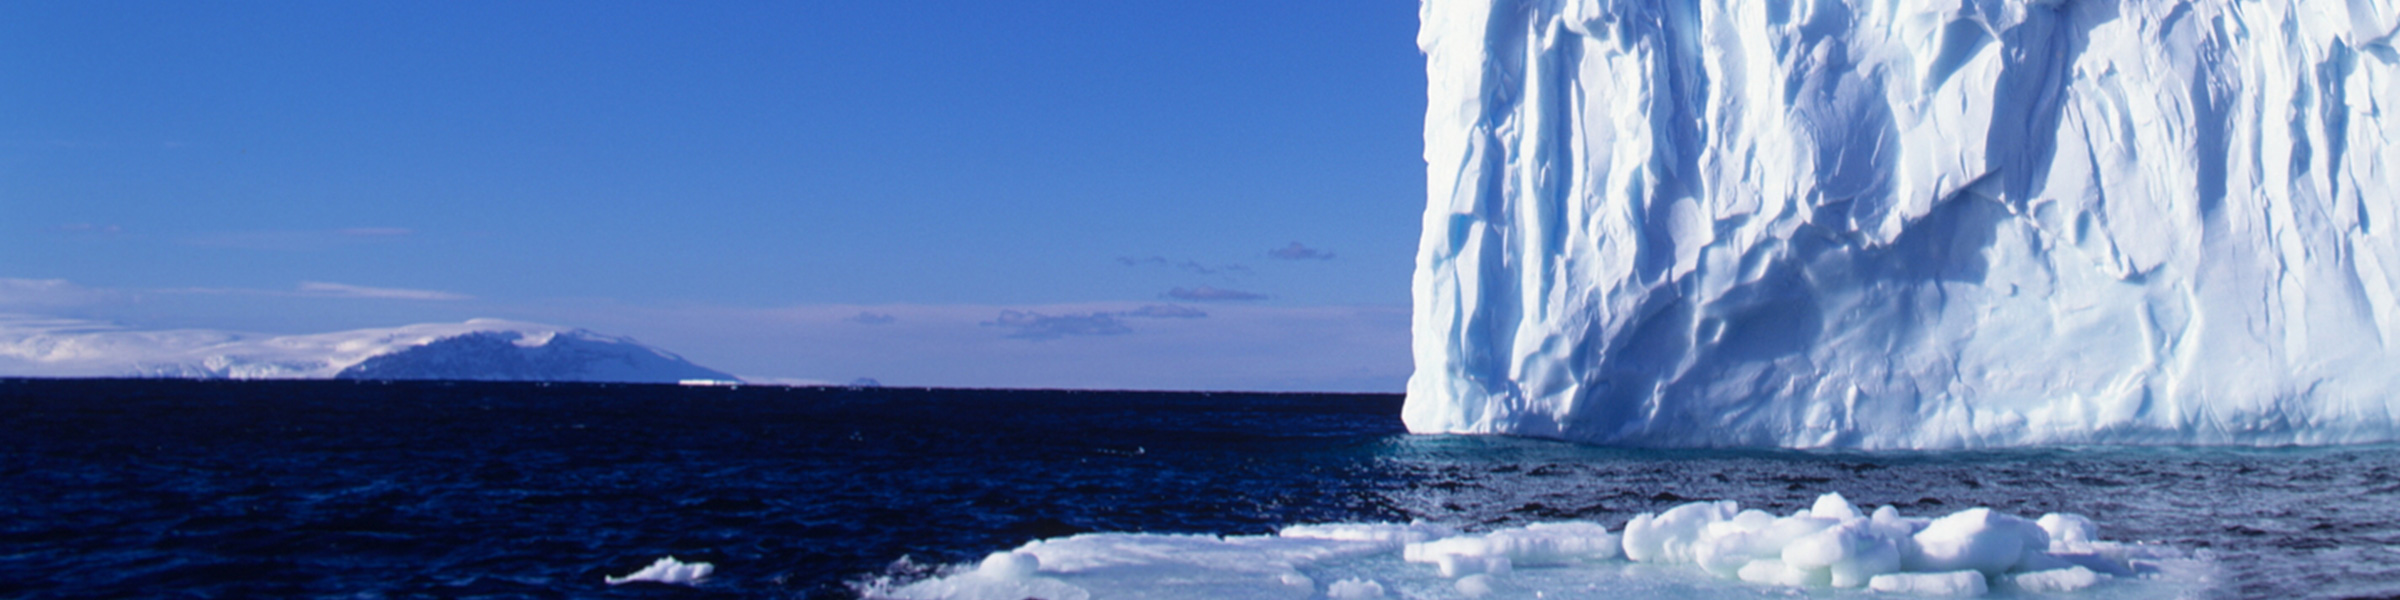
[[1921, 224]]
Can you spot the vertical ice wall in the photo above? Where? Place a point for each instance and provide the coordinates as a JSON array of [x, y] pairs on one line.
[[1917, 223]]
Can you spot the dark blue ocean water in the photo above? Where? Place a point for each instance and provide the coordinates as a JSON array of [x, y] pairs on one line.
[[112, 489]]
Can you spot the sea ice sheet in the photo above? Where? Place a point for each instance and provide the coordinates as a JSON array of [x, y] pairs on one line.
[[1938, 224]]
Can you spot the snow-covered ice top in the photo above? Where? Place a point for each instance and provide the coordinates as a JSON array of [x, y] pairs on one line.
[[1925, 224], [479, 349]]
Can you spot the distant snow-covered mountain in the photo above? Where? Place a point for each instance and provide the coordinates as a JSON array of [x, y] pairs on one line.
[[480, 349]]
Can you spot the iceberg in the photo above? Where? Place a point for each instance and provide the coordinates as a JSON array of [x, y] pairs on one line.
[[478, 349], [1910, 225]]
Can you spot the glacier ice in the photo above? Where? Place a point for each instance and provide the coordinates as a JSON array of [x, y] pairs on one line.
[[1935, 224], [477, 349]]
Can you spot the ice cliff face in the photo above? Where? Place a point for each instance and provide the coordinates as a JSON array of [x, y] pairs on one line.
[[480, 349], [1911, 224]]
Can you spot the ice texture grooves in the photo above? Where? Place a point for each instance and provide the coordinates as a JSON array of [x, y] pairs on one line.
[[1930, 224]]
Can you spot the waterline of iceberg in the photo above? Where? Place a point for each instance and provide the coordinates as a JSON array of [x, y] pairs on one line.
[[1949, 224]]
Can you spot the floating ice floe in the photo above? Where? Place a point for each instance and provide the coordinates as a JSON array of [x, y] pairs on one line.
[[667, 570], [1002, 576], [1695, 550]]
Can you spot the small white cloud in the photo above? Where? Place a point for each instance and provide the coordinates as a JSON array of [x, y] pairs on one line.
[[1213, 294], [1296, 251], [872, 318], [339, 290]]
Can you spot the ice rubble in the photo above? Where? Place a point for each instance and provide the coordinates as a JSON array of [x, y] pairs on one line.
[[478, 349], [1924, 224], [1831, 545]]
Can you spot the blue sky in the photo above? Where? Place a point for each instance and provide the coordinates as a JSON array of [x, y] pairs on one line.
[[811, 190]]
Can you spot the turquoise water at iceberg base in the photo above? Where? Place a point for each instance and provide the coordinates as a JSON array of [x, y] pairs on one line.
[[504, 490]]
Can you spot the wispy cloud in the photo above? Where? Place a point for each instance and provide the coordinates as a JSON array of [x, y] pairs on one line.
[[1186, 265], [1296, 251], [1029, 325], [50, 293], [1167, 311], [1213, 294], [299, 240], [87, 229], [342, 290], [55, 293], [98, 144], [872, 318]]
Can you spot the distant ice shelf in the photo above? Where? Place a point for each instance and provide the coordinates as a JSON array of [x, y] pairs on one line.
[[480, 349], [1933, 224]]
